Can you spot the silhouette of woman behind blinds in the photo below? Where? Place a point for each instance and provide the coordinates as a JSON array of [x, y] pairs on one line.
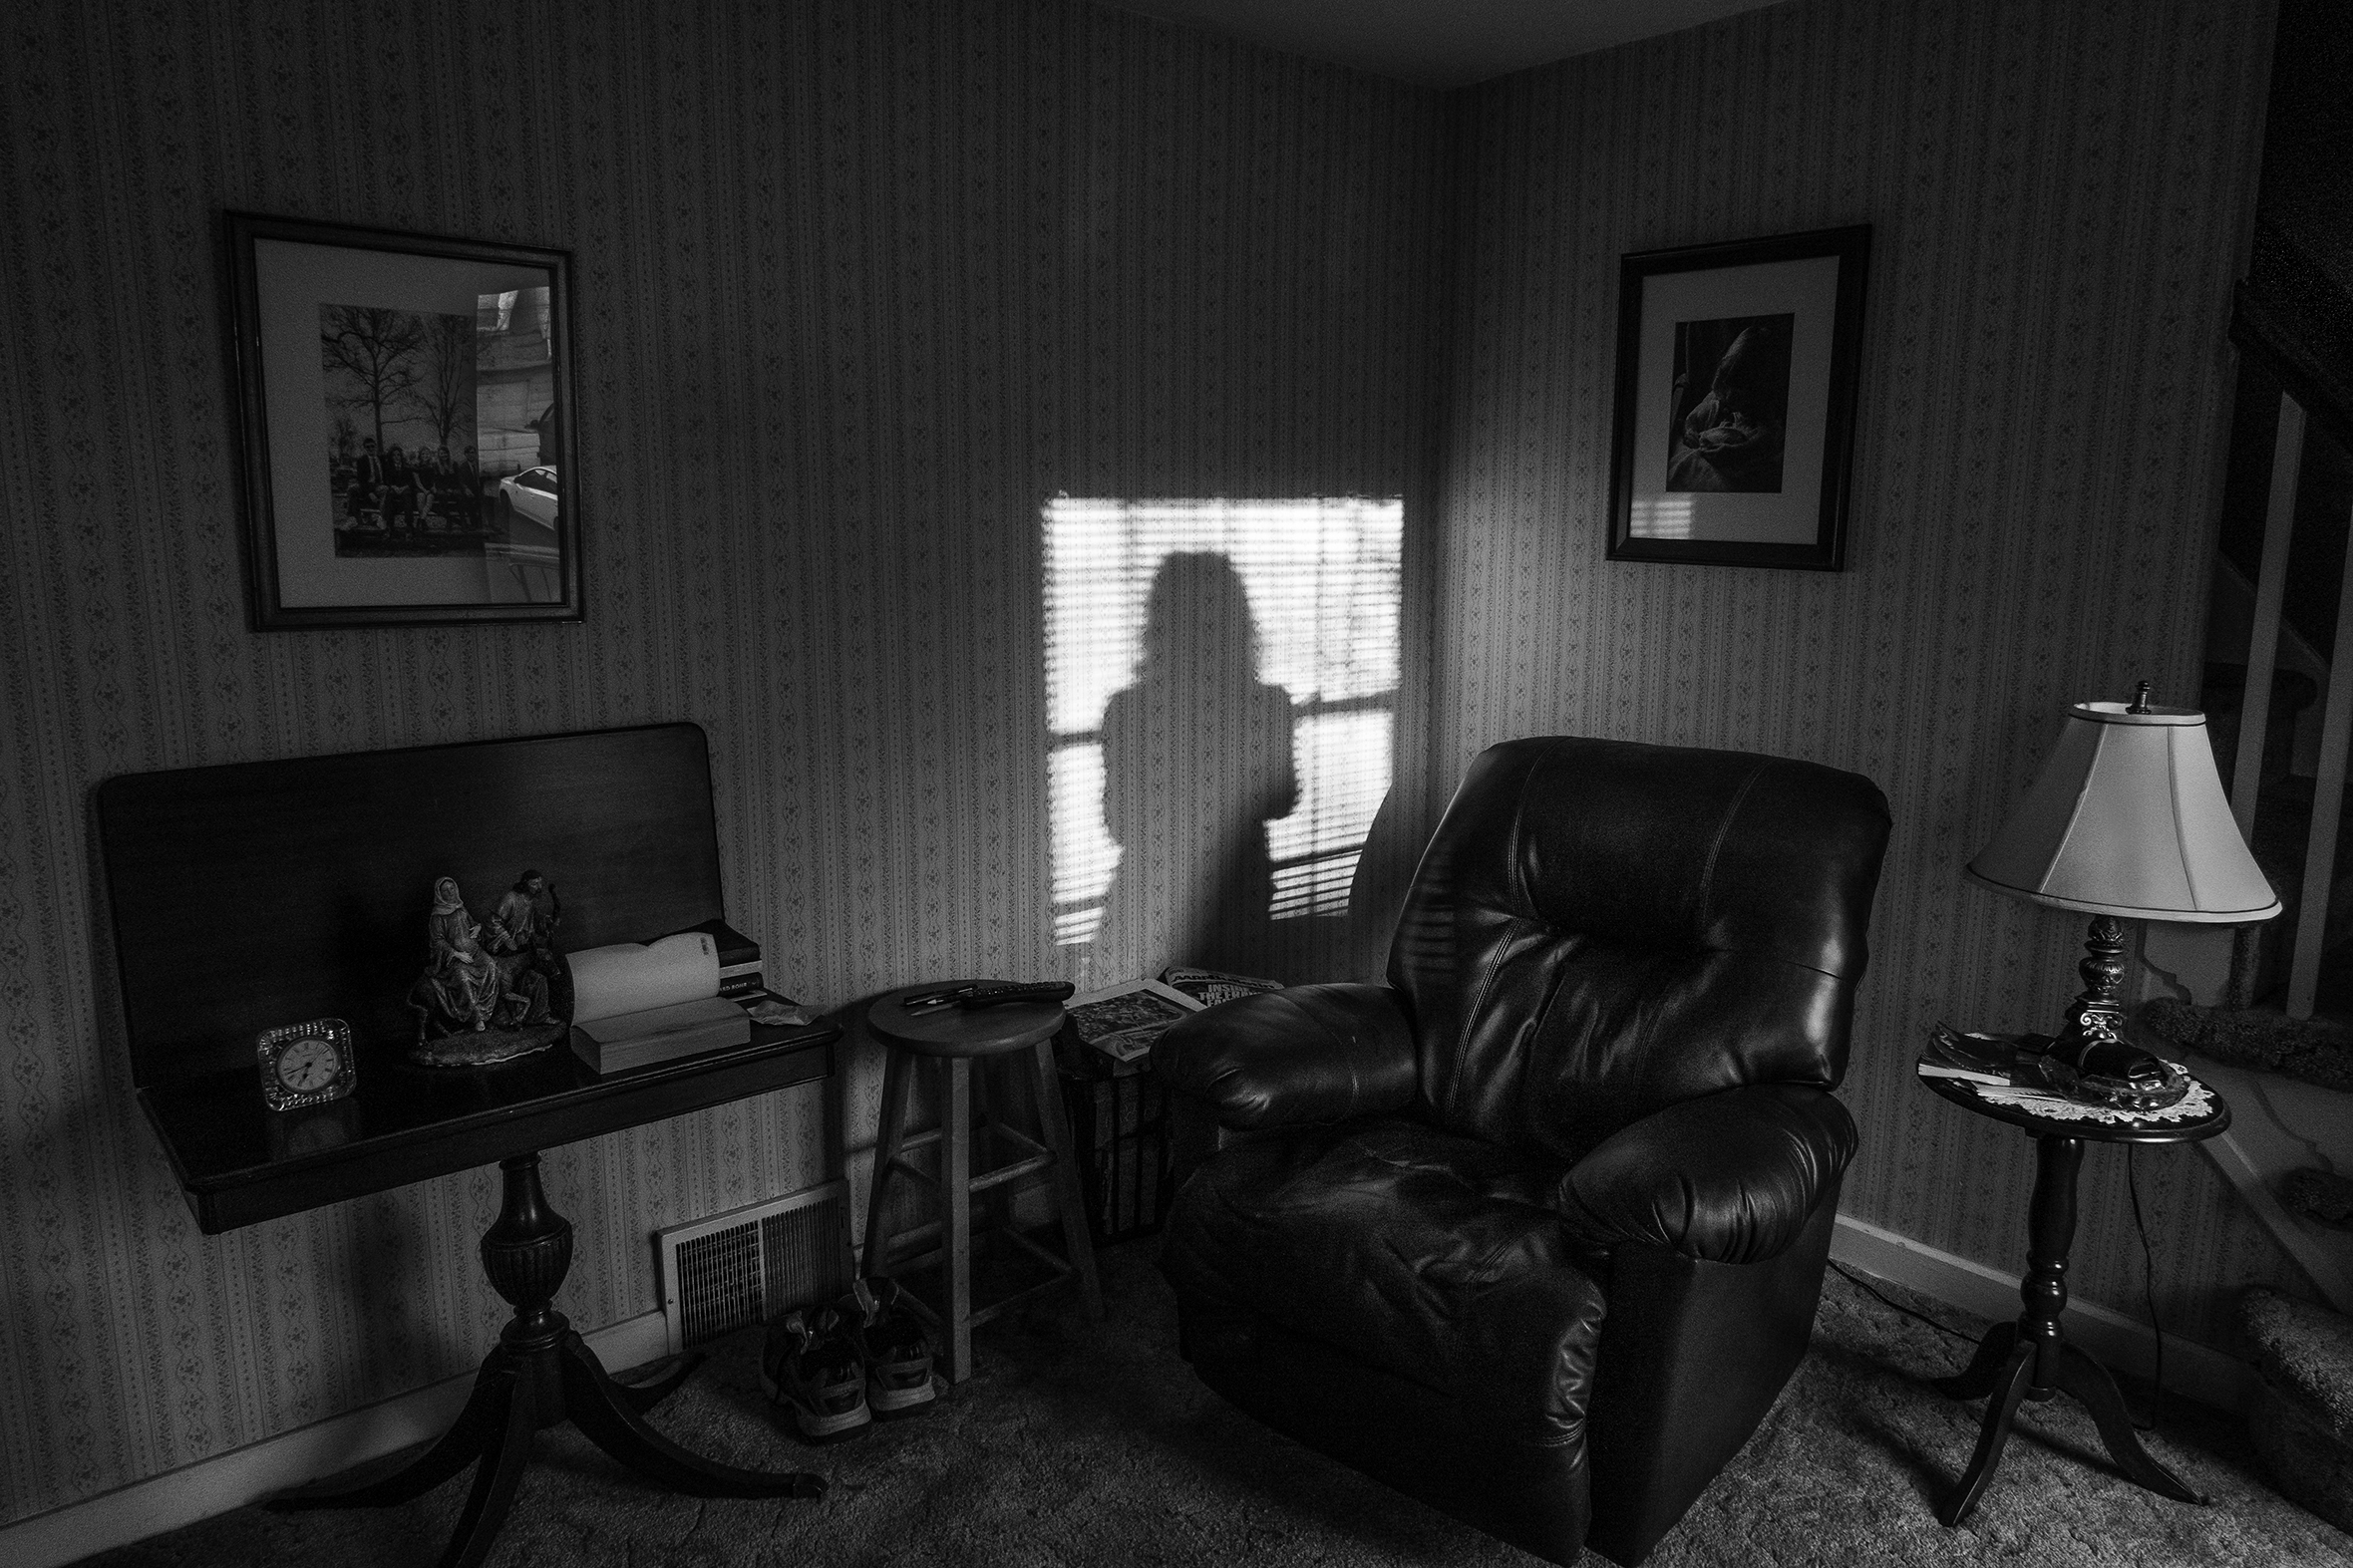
[[1196, 759]]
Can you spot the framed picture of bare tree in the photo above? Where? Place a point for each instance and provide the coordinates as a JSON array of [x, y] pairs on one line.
[[404, 404]]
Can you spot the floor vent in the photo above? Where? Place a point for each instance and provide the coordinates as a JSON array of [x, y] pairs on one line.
[[750, 1264]]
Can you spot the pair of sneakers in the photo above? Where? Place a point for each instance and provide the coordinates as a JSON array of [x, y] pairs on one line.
[[839, 1367]]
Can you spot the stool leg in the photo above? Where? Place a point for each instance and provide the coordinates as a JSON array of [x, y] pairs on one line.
[[1054, 1123], [896, 1083], [955, 1175]]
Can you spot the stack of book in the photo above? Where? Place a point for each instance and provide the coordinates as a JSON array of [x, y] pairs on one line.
[[684, 1029], [739, 959]]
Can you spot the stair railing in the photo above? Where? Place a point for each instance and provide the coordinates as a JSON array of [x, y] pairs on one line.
[[2336, 722]]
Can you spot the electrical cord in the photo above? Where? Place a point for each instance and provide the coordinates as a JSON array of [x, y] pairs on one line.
[[2149, 1293], [1866, 1286]]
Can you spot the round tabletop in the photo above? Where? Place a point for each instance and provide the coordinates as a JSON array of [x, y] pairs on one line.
[[961, 1030], [2200, 1114]]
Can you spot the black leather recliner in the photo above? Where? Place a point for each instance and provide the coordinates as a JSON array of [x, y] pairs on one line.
[[1535, 1232]]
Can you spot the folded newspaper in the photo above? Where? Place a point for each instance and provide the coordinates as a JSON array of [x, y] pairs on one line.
[[1210, 987]]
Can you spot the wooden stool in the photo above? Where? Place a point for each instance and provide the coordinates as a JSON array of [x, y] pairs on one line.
[[955, 1038]]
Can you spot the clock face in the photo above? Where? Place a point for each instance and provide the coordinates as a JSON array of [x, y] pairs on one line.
[[309, 1064], [305, 1064]]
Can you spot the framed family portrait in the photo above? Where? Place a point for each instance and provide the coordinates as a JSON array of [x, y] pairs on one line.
[[1735, 415], [408, 456]]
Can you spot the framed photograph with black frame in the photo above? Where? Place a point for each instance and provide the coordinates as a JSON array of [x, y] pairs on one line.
[[1735, 419], [403, 401]]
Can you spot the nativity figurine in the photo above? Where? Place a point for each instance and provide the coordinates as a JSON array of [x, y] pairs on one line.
[[521, 937], [466, 989], [525, 920]]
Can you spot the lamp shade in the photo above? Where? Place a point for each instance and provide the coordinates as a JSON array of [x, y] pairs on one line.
[[2129, 819]]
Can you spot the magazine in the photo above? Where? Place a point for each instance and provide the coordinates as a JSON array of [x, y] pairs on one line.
[[1123, 1021], [1210, 987]]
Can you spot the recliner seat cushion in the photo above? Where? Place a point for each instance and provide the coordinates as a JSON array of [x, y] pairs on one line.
[[1437, 1258]]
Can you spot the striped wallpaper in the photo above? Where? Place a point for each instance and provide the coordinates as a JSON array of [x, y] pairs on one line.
[[861, 286], [2058, 192]]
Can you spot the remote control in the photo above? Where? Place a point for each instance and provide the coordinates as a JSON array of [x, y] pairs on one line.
[[988, 993]]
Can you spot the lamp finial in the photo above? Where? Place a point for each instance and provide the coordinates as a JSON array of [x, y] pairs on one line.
[[2140, 699]]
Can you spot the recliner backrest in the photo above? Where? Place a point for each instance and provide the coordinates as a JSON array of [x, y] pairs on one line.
[[1599, 929]]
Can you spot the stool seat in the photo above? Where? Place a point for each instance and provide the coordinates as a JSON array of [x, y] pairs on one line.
[[963, 1032], [965, 1048]]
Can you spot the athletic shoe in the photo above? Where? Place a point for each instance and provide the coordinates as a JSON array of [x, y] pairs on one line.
[[811, 1363], [892, 1342]]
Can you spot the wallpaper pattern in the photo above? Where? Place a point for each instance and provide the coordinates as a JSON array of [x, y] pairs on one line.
[[859, 287], [2058, 192]]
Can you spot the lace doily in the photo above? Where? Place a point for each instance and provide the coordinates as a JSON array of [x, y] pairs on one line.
[[2197, 1106]]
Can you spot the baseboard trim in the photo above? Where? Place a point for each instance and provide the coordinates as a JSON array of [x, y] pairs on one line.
[[2192, 1370], [248, 1474]]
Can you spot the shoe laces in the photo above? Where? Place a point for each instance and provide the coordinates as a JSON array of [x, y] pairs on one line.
[[811, 1336]]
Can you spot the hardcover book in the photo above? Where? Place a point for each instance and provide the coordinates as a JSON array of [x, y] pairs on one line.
[[660, 1034]]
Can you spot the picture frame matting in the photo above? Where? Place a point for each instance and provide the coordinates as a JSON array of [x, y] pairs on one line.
[[1734, 414]]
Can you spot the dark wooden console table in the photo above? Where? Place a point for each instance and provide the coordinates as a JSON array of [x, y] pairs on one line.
[[258, 894]]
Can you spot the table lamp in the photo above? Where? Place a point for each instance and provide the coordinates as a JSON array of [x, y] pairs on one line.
[[2127, 822]]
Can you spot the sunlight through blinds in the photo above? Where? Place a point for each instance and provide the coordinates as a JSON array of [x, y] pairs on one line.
[[1322, 581]]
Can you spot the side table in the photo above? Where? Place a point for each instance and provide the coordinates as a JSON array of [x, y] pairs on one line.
[[2033, 1359]]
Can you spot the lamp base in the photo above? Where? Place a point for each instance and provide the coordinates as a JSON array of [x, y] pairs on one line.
[[2096, 1018], [2091, 1061]]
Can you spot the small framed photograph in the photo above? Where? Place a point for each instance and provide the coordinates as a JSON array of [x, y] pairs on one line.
[[402, 399], [1735, 380]]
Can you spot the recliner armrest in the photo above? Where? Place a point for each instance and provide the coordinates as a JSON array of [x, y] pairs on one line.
[[1729, 1178], [1310, 1053]]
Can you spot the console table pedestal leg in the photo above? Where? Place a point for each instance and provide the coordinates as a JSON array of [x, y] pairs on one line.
[[1985, 1369], [541, 1374], [2095, 1390], [2032, 1359]]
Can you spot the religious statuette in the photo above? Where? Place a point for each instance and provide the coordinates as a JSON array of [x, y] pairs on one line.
[[305, 1064], [520, 935], [473, 1007]]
